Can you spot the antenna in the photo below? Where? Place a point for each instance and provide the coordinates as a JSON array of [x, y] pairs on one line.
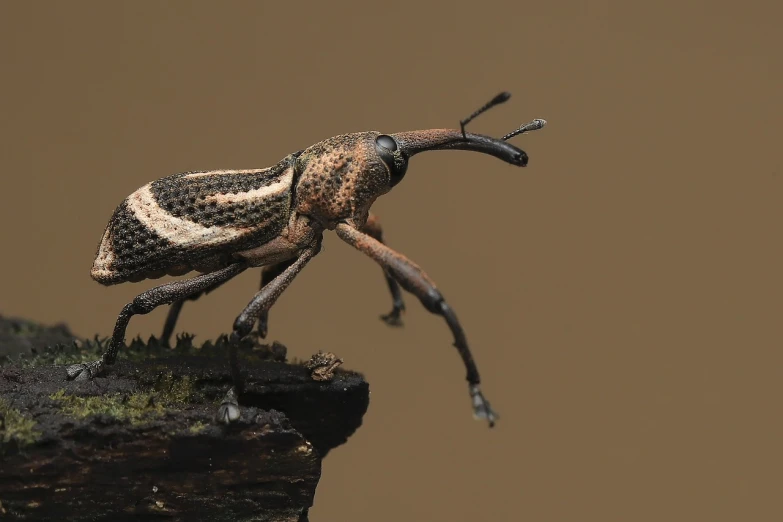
[[497, 100], [533, 125]]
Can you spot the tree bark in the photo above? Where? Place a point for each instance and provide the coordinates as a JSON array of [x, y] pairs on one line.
[[141, 442]]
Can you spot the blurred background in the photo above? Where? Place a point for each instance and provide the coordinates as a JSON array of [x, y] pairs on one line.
[[622, 295]]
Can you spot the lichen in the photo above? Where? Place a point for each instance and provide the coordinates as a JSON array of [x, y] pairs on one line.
[[16, 427], [136, 408]]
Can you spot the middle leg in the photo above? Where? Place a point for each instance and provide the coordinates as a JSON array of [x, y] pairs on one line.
[[268, 274], [243, 325], [372, 228]]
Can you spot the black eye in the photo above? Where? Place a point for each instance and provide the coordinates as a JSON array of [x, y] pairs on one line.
[[385, 146], [387, 142]]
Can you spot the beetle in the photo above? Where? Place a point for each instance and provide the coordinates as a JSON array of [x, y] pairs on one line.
[[222, 222]]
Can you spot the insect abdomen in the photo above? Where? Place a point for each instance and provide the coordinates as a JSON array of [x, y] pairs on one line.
[[192, 221]]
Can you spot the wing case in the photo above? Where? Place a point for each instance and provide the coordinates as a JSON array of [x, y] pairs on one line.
[[193, 221]]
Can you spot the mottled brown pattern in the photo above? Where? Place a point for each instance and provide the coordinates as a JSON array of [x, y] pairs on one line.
[[341, 178]]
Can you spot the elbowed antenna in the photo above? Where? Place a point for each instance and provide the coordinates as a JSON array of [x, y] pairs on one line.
[[497, 100], [536, 124]]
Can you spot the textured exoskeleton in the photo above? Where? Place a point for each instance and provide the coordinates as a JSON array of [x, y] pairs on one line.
[[221, 222]]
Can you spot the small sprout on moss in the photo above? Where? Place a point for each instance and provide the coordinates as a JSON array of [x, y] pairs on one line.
[[185, 341], [16, 427]]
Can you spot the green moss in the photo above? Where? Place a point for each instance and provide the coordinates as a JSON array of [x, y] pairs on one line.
[[136, 408], [16, 426], [197, 428], [175, 391]]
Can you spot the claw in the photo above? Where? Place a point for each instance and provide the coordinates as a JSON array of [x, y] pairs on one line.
[[84, 371], [229, 410], [72, 372], [481, 407], [228, 413], [393, 318]]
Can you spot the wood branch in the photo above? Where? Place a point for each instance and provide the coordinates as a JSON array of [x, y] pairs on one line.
[[141, 442]]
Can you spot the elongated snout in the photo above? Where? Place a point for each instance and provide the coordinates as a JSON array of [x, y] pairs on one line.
[[413, 142]]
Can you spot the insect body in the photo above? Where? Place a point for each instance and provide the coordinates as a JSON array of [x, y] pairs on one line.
[[220, 223]]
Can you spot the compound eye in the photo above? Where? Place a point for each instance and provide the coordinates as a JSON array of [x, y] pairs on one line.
[[387, 142], [386, 146]]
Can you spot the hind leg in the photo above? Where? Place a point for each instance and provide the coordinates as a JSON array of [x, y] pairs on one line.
[[146, 302], [174, 311]]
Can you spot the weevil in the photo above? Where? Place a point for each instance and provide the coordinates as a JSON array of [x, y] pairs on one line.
[[219, 223]]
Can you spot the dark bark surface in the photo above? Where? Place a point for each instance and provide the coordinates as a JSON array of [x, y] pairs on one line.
[[141, 441]]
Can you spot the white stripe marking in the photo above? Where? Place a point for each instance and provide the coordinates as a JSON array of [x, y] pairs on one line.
[[278, 187], [101, 267], [183, 232], [179, 231], [217, 172]]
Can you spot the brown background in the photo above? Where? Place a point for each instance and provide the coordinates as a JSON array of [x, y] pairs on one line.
[[622, 295]]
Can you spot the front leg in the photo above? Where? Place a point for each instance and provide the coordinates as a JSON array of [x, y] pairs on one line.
[[373, 228], [414, 280]]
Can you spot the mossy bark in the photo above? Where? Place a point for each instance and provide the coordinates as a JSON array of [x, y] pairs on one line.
[[141, 442]]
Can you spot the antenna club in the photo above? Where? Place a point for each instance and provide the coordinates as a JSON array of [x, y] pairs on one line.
[[500, 98], [527, 127]]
